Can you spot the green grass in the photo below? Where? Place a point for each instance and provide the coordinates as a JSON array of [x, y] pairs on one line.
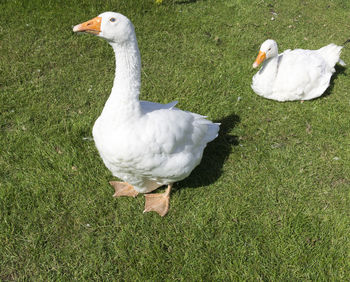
[[271, 198]]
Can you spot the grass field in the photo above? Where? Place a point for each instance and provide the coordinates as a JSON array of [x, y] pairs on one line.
[[271, 198]]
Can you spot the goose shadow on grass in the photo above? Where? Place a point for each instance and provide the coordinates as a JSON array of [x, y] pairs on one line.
[[181, 2], [214, 156], [339, 70]]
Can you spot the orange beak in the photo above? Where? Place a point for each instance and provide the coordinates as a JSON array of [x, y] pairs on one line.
[[92, 26], [259, 59]]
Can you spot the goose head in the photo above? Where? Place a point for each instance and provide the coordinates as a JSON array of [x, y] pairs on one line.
[[268, 50], [111, 26]]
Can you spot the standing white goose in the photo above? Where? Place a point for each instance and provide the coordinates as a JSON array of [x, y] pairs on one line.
[[294, 75], [145, 144]]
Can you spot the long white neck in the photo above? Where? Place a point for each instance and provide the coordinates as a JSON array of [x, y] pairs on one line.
[[123, 103], [269, 68], [267, 74]]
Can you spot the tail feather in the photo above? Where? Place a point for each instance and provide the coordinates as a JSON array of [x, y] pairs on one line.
[[331, 54], [212, 133], [341, 62]]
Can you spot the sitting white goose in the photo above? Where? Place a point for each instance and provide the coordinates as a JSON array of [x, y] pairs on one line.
[[145, 144], [294, 75]]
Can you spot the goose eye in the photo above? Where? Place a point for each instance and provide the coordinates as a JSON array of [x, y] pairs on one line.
[[112, 20]]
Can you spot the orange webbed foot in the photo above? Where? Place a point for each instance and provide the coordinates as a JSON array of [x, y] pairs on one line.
[[123, 189], [158, 202]]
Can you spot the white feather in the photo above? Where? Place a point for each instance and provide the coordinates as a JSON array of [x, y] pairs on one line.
[[295, 75], [143, 143]]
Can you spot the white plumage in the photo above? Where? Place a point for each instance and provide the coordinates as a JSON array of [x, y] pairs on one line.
[[145, 144], [294, 75], [160, 146]]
